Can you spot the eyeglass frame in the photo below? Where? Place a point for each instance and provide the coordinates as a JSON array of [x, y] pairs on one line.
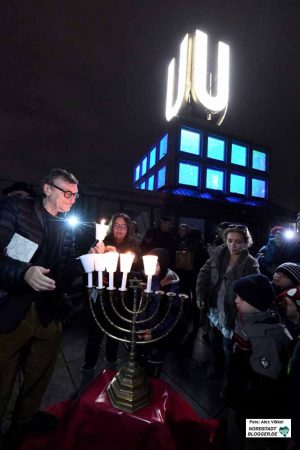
[[121, 226], [76, 195], [237, 226]]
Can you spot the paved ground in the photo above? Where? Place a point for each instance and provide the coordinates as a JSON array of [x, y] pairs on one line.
[[185, 369]]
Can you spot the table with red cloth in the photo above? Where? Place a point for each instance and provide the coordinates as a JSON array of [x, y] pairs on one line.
[[91, 423]]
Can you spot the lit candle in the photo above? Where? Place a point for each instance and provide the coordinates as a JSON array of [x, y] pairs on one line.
[[101, 230], [150, 262], [100, 259], [126, 260], [111, 262]]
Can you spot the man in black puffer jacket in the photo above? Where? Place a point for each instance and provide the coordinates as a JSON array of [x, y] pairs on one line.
[[31, 289]]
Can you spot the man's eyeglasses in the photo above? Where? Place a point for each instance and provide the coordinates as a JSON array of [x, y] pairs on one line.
[[67, 194], [121, 226]]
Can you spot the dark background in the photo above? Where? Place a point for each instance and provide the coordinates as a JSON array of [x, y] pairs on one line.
[[83, 83]]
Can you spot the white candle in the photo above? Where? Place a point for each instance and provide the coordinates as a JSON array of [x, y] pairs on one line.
[[111, 281], [101, 230], [90, 279], [100, 267], [100, 280], [149, 282], [126, 260], [124, 281], [150, 262]]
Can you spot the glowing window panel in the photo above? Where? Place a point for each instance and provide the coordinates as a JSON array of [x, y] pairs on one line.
[[259, 160], [258, 188], [239, 155], [152, 157], [137, 172], [161, 177], [237, 184], [163, 146], [190, 141], [215, 148], [151, 183], [144, 165], [188, 174], [143, 185], [214, 179]]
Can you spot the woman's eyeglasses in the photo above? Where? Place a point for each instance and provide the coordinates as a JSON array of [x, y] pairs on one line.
[[238, 227], [67, 194], [121, 226]]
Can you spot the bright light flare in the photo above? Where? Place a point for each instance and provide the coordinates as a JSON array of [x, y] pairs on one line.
[[289, 234], [73, 221]]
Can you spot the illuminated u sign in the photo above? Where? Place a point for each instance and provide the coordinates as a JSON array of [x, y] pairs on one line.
[[192, 77]]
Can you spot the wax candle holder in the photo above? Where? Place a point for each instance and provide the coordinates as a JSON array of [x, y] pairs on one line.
[[129, 390]]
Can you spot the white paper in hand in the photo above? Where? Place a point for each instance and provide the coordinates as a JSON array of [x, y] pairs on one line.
[[21, 248]]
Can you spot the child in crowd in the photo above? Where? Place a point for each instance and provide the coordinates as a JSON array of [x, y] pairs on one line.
[[286, 281], [257, 376], [166, 280]]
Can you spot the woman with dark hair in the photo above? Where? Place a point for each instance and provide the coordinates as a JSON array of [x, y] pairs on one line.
[[215, 287], [120, 238]]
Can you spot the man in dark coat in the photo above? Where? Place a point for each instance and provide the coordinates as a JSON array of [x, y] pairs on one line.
[[33, 276]]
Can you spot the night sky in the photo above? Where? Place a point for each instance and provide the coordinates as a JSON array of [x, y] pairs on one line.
[[83, 83]]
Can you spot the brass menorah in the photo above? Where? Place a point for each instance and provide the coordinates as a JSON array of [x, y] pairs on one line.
[[130, 390]]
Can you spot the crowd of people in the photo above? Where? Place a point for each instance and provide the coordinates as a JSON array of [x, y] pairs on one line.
[[248, 306]]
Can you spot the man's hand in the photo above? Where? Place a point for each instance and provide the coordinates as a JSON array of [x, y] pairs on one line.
[[36, 277]]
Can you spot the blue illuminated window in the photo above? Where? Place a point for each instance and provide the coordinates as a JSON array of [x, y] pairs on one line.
[[163, 146], [152, 157], [137, 173], [239, 154], [188, 174], [258, 188], [161, 177], [216, 148], [214, 179], [151, 183], [144, 165], [143, 185], [237, 184], [190, 141], [259, 160]]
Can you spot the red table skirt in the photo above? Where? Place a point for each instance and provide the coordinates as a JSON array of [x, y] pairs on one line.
[[92, 423]]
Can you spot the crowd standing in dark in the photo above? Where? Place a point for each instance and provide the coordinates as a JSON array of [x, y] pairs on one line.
[[221, 279]]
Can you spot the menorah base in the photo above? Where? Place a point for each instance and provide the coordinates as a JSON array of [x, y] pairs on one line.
[[129, 390]]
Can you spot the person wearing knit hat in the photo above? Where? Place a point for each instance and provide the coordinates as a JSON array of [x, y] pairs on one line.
[[286, 282], [291, 271], [278, 250], [256, 290], [262, 344], [277, 229]]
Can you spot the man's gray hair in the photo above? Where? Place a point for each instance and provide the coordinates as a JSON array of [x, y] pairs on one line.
[[59, 173]]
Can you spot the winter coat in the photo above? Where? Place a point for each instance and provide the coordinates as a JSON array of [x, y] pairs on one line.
[[25, 217], [213, 273], [270, 342]]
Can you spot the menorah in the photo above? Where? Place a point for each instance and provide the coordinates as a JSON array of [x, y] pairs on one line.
[[129, 390]]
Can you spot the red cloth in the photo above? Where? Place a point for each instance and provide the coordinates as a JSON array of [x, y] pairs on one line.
[[92, 423]]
